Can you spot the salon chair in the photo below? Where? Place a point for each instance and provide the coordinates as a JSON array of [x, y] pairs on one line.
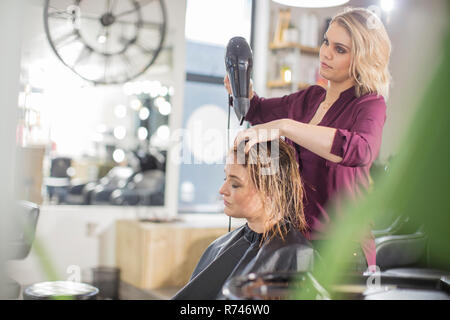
[[402, 251], [58, 182], [146, 188], [402, 244], [100, 193], [142, 183], [22, 230], [75, 193]]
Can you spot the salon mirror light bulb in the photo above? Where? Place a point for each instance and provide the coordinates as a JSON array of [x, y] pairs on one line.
[[163, 91], [142, 133], [135, 104], [71, 172], [120, 111], [147, 86], [128, 88], [144, 113], [163, 132], [163, 105], [120, 132], [159, 101], [101, 128], [165, 109], [101, 39], [118, 155]]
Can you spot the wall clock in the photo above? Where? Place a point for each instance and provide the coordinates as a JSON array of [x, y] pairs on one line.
[[106, 41]]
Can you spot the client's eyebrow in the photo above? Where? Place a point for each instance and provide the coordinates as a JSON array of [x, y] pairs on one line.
[[236, 177], [233, 176]]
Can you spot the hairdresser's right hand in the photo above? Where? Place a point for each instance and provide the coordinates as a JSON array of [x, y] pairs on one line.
[[227, 84]]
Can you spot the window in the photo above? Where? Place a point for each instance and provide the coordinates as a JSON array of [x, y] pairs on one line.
[[210, 24]]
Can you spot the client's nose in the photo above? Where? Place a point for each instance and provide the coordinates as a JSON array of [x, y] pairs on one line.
[[223, 190]]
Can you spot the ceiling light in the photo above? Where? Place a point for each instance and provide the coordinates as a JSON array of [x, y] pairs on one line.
[[387, 5], [312, 3]]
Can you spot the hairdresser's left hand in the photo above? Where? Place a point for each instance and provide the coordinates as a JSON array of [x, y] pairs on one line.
[[260, 133]]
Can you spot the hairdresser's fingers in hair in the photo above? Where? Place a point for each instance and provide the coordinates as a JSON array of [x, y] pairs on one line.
[[245, 135], [241, 135], [252, 137], [238, 139], [250, 143]]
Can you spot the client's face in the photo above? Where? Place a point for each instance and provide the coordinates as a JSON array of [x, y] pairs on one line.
[[240, 196]]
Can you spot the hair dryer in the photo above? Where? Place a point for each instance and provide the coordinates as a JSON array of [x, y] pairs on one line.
[[239, 63]]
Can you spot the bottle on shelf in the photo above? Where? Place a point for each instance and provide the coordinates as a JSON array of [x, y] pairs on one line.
[[286, 74], [290, 34], [309, 29]]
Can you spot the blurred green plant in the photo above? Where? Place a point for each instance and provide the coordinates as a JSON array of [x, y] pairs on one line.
[[417, 186]]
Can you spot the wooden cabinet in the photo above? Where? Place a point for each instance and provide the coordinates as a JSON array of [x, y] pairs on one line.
[[156, 255], [29, 173]]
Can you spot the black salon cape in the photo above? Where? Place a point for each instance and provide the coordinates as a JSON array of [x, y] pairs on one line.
[[239, 253]]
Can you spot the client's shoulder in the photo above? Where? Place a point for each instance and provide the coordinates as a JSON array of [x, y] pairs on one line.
[[292, 239], [292, 252], [227, 239], [295, 238]]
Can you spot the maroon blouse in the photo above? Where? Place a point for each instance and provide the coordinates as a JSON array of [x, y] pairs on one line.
[[359, 123]]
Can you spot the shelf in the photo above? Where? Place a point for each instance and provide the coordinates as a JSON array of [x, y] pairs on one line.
[[294, 45], [303, 85], [282, 84], [278, 84]]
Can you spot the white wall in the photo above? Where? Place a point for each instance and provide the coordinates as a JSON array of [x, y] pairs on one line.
[[416, 29], [10, 33], [178, 12]]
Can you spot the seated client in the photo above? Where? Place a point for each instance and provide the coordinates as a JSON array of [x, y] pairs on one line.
[[264, 187]]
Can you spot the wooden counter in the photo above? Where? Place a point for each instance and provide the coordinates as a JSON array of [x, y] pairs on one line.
[[157, 255]]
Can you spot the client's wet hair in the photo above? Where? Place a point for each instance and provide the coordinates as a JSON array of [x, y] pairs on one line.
[[273, 169]]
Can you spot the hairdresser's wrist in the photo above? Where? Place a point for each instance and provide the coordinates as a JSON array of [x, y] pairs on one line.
[[284, 126]]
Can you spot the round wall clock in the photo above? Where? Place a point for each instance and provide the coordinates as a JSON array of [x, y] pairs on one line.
[[106, 41]]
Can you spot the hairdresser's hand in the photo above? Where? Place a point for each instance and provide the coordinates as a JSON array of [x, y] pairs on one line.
[[260, 133], [227, 84]]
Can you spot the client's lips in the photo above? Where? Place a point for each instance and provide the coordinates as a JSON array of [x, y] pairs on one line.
[[226, 203], [324, 65]]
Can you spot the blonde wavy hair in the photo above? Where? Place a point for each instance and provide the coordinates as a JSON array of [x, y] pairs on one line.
[[273, 169], [371, 49]]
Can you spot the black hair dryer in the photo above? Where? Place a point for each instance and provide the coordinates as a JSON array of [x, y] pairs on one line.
[[239, 64]]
